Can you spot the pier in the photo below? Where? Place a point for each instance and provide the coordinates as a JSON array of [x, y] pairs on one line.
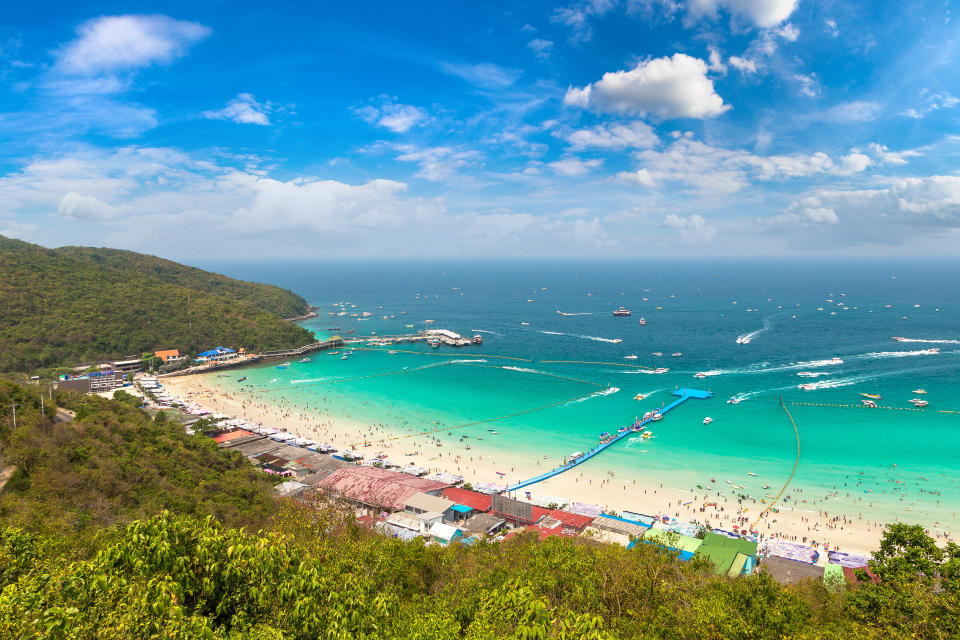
[[684, 395]]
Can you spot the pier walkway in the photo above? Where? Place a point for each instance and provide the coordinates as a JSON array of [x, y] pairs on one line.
[[684, 395]]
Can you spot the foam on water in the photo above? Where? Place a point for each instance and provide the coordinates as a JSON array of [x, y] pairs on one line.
[[747, 338], [606, 392], [938, 341]]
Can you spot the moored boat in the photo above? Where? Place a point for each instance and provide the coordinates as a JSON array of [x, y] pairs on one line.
[[707, 420]]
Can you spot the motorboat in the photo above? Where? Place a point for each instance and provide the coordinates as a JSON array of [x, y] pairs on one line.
[[656, 353], [661, 370], [919, 391], [639, 396], [676, 354], [630, 357], [700, 375], [869, 403], [871, 396], [304, 360], [621, 312], [344, 357], [707, 420], [643, 320], [809, 386], [919, 403], [657, 417], [242, 379], [751, 473], [734, 400]]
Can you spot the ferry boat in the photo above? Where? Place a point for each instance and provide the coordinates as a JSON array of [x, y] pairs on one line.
[[919, 403], [575, 455], [707, 420], [869, 403], [621, 312], [871, 396]]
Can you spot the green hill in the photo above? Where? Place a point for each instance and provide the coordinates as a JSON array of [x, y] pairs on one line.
[[60, 307], [281, 302]]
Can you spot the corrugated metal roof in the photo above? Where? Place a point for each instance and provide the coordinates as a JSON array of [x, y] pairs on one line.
[[427, 503], [473, 499], [379, 487]]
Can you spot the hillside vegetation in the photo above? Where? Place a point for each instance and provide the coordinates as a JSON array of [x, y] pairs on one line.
[[81, 558], [59, 307]]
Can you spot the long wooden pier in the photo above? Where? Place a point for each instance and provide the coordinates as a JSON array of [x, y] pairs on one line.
[[684, 395]]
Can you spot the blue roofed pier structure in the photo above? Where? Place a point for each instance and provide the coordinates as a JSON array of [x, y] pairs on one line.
[[683, 394]]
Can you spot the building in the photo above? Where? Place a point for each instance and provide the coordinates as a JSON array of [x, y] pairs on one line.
[[170, 355], [483, 524], [217, 353], [378, 488], [445, 533], [420, 503], [90, 382], [127, 366], [478, 502]]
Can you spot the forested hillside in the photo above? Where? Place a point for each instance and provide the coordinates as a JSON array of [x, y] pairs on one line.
[[281, 302], [59, 309], [86, 552]]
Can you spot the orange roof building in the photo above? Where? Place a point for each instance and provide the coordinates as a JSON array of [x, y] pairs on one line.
[[169, 354]]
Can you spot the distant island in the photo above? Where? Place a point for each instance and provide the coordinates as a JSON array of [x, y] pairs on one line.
[[81, 304]]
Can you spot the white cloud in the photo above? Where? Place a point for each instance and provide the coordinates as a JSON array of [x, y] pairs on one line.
[[118, 43], [485, 75], [577, 17], [437, 164], [641, 177], [808, 84], [571, 167], [883, 155], [244, 109], [853, 111], [675, 87], [714, 169], [716, 61], [930, 103], [541, 48], [831, 27], [391, 115], [807, 212], [743, 65], [636, 135], [762, 13], [693, 229], [81, 207], [788, 32]]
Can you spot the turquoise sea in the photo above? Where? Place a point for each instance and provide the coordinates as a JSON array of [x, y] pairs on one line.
[[886, 463]]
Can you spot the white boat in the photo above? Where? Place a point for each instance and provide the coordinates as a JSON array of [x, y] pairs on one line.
[[707, 420], [676, 355], [344, 357], [920, 391], [630, 357], [639, 396], [742, 339], [661, 370], [734, 400], [751, 473], [657, 417], [869, 403], [656, 353], [274, 379], [304, 359], [700, 375], [575, 455], [919, 402], [808, 386], [525, 323]]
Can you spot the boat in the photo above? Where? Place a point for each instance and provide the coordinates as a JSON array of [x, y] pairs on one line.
[[391, 352], [919, 403], [742, 339], [700, 375], [734, 400], [630, 357], [661, 370], [707, 420], [643, 320], [869, 403], [921, 391], [274, 379], [242, 379], [478, 339], [639, 396], [656, 417], [676, 354], [304, 359], [809, 386], [656, 353], [751, 473], [646, 435], [281, 366], [871, 396], [524, 323], [344, 357], [576, 454], [621, 312]]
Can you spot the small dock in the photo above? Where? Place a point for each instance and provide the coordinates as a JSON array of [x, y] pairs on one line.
[[684, 395]]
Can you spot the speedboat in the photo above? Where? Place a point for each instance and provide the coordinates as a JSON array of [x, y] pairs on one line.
[[242, 379], [657, 417], [700, 375], [809, 386], [274, 379], [734, 400], [630, 357], [661, 370], [304, 359], [344, 357], [656, 353], [871, 396], [639, 396], [676, 355], [751, 473], [919, 391], [869, 403], [919, 402], [707, 420]]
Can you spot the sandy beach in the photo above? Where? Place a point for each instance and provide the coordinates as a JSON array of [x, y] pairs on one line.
[[439, 452]]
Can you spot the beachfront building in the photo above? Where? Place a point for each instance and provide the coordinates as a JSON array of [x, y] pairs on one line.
[[377, 488], [127, 366], [215, 354], [445, 533], [91, 382], [420, 503], [168, 355]]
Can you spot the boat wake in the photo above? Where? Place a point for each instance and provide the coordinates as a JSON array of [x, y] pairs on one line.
[[485, 331], [574, 335], [746, 338], [308, 380], [466, 361], [764, 367], [877, 355], [941, 341], [606, 392], [525, 370], [580, 313]]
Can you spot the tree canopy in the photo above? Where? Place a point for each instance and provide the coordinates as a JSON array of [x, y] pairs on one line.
[[67, 305]]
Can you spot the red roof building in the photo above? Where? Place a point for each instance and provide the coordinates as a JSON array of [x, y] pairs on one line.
[[226, 436], [379, 488], [479, 502]]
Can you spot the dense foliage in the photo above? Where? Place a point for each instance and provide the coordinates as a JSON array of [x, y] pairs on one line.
[[56, 308], [115, 463], [281, 302], [81, 558]]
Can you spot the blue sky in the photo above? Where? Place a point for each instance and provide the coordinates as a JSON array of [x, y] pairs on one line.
[[585, 129]]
